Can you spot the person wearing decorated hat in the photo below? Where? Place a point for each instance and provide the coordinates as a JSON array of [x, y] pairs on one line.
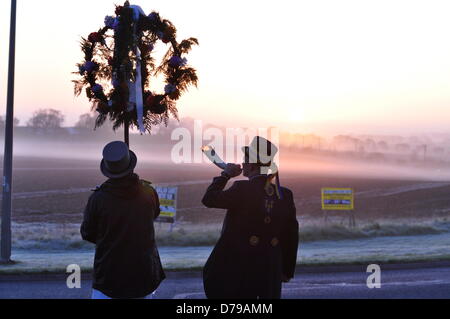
[[118, 219], [257, 250]]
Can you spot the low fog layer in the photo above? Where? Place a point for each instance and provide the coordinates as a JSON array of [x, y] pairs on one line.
[[329, 166], [294, 158]]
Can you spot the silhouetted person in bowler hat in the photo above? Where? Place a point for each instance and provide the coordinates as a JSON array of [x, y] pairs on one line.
[[257, 250], [118, 219]]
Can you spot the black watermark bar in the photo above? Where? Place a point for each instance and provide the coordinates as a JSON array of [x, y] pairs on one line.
[[187, 309]]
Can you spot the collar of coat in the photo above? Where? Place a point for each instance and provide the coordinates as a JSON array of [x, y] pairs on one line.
[[257, 176]]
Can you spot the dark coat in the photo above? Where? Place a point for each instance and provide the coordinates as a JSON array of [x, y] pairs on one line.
[[257, 245], [119, 220]]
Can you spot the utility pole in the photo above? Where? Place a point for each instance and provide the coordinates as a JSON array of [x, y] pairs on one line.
[[8, 155]]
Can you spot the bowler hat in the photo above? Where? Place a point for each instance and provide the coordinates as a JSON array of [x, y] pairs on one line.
[[118, 161]]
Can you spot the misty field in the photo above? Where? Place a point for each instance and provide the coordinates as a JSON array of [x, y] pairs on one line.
[[398, 217], [50, 194]]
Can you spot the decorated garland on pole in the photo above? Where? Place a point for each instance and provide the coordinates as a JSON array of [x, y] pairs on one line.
[[118, 65]]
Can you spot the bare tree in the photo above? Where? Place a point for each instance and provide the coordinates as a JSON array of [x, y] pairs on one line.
[[47, 119], [86, 121], [3, 123]]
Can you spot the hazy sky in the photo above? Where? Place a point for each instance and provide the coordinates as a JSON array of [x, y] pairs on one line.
[[345, 66]]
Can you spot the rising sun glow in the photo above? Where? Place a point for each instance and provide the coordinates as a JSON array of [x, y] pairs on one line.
[[316, 65]]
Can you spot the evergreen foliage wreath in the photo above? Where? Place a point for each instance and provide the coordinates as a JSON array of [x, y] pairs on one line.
[[112, 59]]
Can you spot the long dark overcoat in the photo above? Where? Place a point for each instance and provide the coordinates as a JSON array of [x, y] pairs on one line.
[[118, 219], [258, 244]]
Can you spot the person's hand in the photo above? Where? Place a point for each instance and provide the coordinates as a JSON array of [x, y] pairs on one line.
[[285, 279], [233, 170]]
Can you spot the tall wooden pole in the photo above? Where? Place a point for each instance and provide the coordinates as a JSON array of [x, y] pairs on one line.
[[8, 155], [127, 132]]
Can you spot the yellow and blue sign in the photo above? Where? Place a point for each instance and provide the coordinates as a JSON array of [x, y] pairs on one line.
[[168, 204], [338, 199]]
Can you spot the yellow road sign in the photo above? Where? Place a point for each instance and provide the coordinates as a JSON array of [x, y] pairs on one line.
[[338, 199], [168, 204]]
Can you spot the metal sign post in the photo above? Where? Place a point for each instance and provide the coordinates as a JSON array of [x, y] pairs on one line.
[[8, 155]]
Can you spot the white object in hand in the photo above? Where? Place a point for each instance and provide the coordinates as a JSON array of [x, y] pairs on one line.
[[210, 152]]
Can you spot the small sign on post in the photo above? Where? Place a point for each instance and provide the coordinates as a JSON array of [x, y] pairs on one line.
[[168, 204], [339, 199]]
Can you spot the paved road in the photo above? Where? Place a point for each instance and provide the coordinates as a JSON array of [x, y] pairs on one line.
[[426, 280]]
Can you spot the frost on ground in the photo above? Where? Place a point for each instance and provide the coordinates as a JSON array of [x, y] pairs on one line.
[[356, 251], [46, 247], [52, 236]]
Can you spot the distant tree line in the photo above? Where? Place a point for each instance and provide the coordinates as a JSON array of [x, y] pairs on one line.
[[2, 122], [46, 119], [52, 119], [372, 146]]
